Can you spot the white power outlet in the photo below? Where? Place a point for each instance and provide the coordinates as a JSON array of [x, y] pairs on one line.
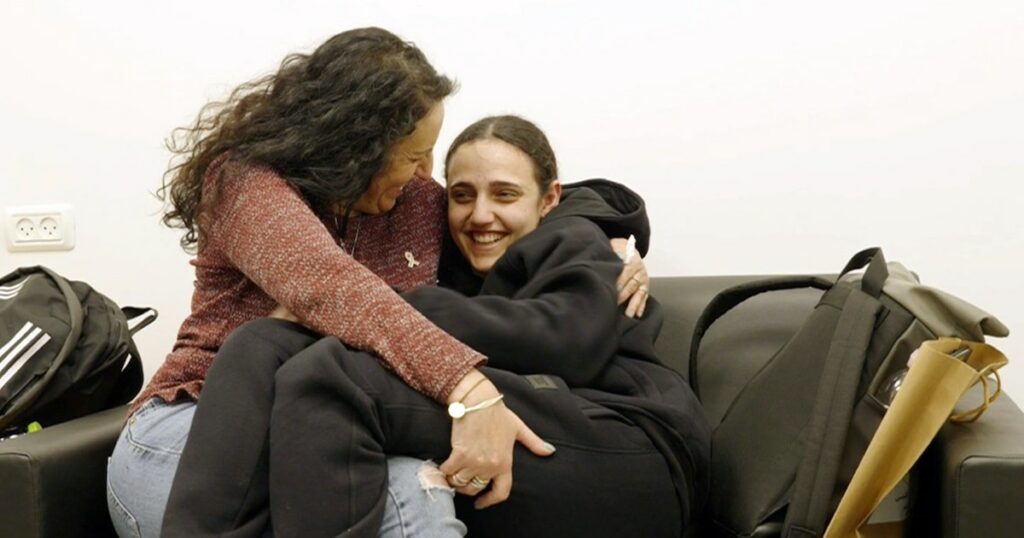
[[42, 227], [50, 229], [25, 230]]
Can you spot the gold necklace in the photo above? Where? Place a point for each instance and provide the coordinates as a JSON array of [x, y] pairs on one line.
[[341, 240]]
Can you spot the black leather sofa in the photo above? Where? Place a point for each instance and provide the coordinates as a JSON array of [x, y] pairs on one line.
[[972, 477]]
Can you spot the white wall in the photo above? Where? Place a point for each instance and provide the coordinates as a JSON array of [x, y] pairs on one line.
[[766, 136]]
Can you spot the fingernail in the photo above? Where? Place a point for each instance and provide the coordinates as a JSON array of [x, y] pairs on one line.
[[551, 448]]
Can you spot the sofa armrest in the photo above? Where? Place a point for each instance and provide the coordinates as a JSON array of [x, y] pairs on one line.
[[972, 476], [53, 482]]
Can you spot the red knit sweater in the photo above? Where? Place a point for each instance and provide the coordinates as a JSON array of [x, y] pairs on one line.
[[264, 246]]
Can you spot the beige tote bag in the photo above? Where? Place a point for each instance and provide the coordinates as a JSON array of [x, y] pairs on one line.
[[933, 385]]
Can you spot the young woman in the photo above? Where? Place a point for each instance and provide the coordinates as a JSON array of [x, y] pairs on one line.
[[536, 290], [334, 149], [533, 285]]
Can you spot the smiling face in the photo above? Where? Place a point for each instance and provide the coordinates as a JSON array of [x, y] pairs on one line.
[[493, 199], [412, 156]]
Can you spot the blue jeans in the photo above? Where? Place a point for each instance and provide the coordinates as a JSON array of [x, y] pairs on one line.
[[141, 469], [420, 504]]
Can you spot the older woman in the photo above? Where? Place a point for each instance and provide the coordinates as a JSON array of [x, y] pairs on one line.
[[535, 289], [333, 150]]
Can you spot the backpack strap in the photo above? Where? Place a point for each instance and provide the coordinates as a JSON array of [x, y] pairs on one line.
[[75, 320], [732, 297], [830, 419]]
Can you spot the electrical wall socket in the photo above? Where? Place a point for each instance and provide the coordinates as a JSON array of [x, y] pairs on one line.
[[40, 227]]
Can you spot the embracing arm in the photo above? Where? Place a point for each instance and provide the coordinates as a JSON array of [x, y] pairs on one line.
[[559, 319], [268, 233]]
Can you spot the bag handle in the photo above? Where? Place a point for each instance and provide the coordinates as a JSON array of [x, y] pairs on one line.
[[143, 314], [732, 297], [76, 318], [989, 365], [877, 271]]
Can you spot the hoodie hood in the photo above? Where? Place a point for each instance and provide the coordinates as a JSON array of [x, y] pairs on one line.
[[616, 209]]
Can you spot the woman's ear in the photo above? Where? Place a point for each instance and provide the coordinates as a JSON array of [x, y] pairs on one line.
[[550, 198]]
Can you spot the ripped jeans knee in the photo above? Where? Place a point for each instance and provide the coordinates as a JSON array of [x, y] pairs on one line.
[[420, 502]]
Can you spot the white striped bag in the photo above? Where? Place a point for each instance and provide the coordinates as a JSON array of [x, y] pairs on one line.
[[66, 350]]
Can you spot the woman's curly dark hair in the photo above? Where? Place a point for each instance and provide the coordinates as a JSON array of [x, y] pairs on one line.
[[324, 121]]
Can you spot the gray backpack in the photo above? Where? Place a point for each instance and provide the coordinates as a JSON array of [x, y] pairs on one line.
[[796, 422], [66, 350]]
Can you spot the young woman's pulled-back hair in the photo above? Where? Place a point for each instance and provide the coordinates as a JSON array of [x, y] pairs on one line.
[[324, 121], [518, 132]]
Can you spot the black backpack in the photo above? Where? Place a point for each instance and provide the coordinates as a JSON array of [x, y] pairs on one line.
[[796, 420], [66, 350]]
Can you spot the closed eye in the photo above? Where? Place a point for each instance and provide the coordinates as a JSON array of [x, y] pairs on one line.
[[418, 155]]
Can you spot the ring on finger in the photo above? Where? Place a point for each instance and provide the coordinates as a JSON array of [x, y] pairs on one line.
[[459, 482], [644, 289], [479, 483]]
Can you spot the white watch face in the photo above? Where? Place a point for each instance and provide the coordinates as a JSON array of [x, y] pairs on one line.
[[456, 410]]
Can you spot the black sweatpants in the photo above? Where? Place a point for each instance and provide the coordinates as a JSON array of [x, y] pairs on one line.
[[335, 416], [220, 487]]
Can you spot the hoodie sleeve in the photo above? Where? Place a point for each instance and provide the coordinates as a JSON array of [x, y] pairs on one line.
[[547, 307]]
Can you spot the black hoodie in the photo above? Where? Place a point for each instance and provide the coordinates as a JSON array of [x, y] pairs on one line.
[[548, 306]]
